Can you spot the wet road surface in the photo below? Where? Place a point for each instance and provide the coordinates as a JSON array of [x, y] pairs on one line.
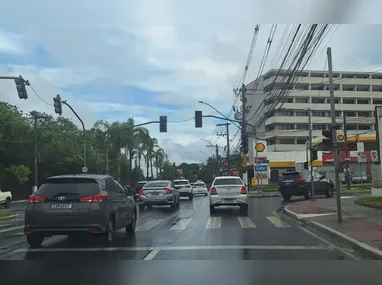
[[190, 233]]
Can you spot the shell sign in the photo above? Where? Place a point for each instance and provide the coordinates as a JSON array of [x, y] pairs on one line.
[[260, 147]]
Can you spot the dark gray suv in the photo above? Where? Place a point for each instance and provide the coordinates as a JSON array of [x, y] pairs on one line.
[[81, 203]]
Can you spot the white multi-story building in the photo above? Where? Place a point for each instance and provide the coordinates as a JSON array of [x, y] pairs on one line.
[[285, 125]]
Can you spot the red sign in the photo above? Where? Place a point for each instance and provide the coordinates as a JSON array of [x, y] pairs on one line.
[[329, 157]]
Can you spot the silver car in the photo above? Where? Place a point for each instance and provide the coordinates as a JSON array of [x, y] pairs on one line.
[[184, 187], [228, 191], [160, 192], [200, 188]]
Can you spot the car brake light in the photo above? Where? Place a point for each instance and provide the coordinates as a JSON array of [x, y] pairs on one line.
[[35, 199], [243, 190], [98, 198], [169, 191], [300, 179], [213, 191], [141, 192]]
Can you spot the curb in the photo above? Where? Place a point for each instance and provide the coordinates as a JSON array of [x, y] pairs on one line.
[[367, 206], [19, 201], [263, 196], [362, 247], [9, 217]]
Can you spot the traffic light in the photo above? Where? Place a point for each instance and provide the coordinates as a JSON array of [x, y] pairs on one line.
[[244, 144], [163, 124], [328, 140], [198, 119], [20, 86], [313, 155], [57, 105]]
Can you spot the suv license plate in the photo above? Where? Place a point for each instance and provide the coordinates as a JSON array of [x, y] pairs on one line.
[[61, 206]]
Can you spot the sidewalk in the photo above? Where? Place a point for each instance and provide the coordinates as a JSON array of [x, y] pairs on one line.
[[360, 229]]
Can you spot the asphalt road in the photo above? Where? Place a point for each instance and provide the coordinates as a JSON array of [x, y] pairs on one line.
[[190, 233]]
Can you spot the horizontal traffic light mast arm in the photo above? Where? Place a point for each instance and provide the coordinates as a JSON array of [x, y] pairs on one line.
[[15, 77], [226, 119], [126, 128]]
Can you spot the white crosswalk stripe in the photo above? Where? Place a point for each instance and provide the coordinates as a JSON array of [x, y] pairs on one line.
[[149, 225], [278, 222], [214, 223], [246, 222], [181, 224]]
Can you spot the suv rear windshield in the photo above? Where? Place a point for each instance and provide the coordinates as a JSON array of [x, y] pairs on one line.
[[228, 181], [76, 186], [182, 182], [157, 184]]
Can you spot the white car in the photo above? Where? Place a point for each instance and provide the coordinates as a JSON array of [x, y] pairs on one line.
[[200, 188], [5, 198], [184, 187], [229, 191]]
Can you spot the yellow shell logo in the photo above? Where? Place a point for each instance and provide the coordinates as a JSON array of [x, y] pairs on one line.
[[340, 137], [260, 147]]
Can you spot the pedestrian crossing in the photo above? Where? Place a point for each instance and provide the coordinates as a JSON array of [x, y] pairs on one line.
[[213, 223]]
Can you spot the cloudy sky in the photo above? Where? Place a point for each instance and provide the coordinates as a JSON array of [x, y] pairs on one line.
[[123, 58]]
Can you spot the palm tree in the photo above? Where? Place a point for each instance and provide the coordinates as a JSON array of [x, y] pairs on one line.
[[152, 144], [159, 159]]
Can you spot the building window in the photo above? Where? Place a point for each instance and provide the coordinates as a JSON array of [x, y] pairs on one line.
[[348, 101], [377, 101], [286, 141], [318, 113], [351, 127], [301, 140], [338, 114], [302, 127], [284, 113], [271, 142], [270, 128], [319, 127], [364, 127], [285, 127], [363, 101], [336, 100], [364, 114], [302, 113], [301, 100], [318, 100], [350, 114], [287, 100]]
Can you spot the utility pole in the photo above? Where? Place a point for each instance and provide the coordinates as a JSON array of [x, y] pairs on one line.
[[244, 137], [346, 154], [310, 150], [217, 160], [334, 136], [226, 134]]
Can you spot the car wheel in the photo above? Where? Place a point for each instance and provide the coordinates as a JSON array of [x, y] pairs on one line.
[[330, 192], [141, 207], [35, 240], [109, 234], [173, 206], [130, 228], [308, 195], [178, 204], [191, 197], [287, 197], [244, 209], [7, 203], [212, 209]]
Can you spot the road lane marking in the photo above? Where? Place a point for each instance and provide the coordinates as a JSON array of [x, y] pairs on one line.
[[155, 250], [214, 223], [181, 224], [4, 225], [18, 234], [149, 225], [11, 229], [278, 222], [246, 222], [152, 254]]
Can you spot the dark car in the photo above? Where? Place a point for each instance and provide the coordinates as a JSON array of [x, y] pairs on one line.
[[83, 203], [293, 184], [139, 186]]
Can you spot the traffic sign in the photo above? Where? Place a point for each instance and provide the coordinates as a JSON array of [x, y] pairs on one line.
[[361, 157], [85, 169], [374, 155]]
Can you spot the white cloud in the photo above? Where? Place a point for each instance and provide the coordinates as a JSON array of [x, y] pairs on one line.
[[182, 51]]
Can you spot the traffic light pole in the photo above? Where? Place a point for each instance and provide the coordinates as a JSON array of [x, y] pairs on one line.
[[310, 151], [83, 128], [226, 134], [243, 90], [334, 136]]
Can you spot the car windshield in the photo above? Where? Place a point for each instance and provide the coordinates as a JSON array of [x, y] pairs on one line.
[[156, 184], [200, 184], [74, 186], [228, 181], [181, 182]]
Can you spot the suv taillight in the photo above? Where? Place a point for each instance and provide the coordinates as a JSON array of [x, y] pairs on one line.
[[300, 179], [98, 198], [213, 191], [141, 192], [35, 199], [243, 190]]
